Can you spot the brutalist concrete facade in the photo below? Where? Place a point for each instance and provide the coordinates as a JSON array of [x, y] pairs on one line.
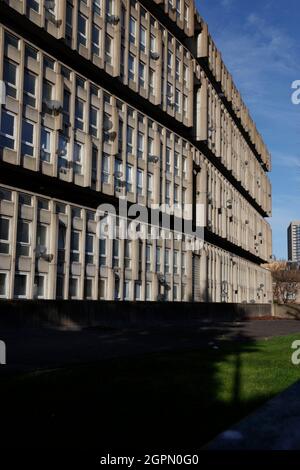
[[125, 99]]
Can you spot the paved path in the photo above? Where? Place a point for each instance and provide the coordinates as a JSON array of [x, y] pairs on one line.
[[274, 426], [42, 348]]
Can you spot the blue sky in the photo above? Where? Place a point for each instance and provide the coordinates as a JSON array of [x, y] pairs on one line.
[[260, 44]]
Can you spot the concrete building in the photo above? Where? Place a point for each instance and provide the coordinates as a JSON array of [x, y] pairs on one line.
[[293, 233], [124, 99]]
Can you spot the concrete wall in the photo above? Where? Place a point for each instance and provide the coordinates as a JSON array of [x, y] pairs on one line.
[[291, 311], [79, 314]]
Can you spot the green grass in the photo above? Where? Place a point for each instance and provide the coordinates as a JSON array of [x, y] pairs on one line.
[[160, 401]]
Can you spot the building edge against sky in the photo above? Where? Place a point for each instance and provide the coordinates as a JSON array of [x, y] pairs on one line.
[[125, 99]]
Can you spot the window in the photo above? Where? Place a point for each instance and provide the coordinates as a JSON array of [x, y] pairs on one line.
[[105, 169], [178, 4], [170, 61], [177, 68], [25, 199], [168, 160], [148, 291], [152, 43], [48, 62], [7, 133], [29, 89], [4, 235], [183, 264], [148, 258], [76, 212], [167, 261], [46, 144], [78, 154], [186, 14], [109, 7], [69, 23], [142, 74], [151, 82], [129, 178], [63, 146], [42, 237], [142, 39], [10, 78], [108, 49], [130, 134], [11, 41], [185, 74], [79, 114], [102, 289], [169, 94], [43, 204], [176, 194], [116, 253], [66, 102], [132, 30], [60, 208], [75, 246], [138, 291], [5, 195], [184, 167], [177, 101], [150, 186], [140, 179], [176, 163], [89, 248], [102, 252], [96, 40], [168, 192], [176, 292], [27, 147], [128, 254], [158, 259], [175, 262], [81, 29], [140, 145], [97, 7], [118, 172], [94, 164], [185, 106], [94, 121], [73, 287], [3, 285], [47, 91], [131, 67], [39, 283], [88, 289], [20, 291], [23, 238], [126, 290]]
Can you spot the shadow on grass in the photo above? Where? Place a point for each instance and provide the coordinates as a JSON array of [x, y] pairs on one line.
[[159, 401]]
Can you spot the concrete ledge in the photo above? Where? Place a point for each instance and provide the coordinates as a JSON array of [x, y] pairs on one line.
[[275, 426], [72, 314]]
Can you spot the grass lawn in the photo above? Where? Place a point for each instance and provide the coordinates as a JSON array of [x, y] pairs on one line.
[[158, 401]]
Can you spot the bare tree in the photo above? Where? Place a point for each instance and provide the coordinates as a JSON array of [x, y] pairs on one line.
[[286, 281]]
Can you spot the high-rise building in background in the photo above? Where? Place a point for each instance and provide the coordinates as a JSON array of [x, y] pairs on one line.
[[294, 241], [125, 98]]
